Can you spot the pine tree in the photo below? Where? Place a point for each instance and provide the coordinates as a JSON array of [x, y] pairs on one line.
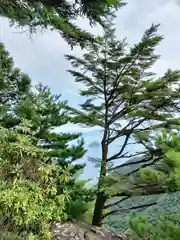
[[38, 170], [45, 112], [43, 109], [127, 101], [13, 84], [58, 15]]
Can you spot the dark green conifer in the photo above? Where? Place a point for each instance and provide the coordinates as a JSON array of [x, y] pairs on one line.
[[129, 103]]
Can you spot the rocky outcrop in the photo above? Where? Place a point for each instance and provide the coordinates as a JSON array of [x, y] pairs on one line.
[[79, 231]]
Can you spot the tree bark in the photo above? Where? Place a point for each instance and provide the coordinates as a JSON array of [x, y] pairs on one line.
[[98, 211], [101, 196]]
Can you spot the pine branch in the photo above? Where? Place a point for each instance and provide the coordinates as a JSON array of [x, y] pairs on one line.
[[115, 156], [136, 53], [118, 115], [116, 82], [79, 76], [122, 148]]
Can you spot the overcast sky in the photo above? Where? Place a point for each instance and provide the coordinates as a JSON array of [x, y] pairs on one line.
[[43, 57]]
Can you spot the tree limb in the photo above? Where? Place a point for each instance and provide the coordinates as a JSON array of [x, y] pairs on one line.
[[122, 148], [122, 210], [130, 131], [144, 165], [116, 202], [131, 163], [144, 191]]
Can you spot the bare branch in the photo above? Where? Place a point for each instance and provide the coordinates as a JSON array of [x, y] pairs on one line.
[[130, 131], [125, 131], [116, 202], [122, 148], [118, 115], [144, 190], [133, 143], [131, 163], [131, 155], [145, 165], [122, 210]]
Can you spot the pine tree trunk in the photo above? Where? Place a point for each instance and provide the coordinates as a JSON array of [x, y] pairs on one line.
[[98, 211], [101, 197]]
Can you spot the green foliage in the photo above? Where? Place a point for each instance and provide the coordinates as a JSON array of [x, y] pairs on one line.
[[168, 143], [162, 218], [167, 227], [131, 105], [150, 175], [58, 15], [13, 85], [44, 114], [81, 203], [9, 236], [81, 210], [27, 209], [140, 224], [29, 199], [38, 173]]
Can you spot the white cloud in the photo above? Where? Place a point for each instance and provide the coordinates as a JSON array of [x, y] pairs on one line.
[[134, 19], [27, 49]]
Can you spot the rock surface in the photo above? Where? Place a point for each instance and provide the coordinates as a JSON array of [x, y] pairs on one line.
[[79, 231]]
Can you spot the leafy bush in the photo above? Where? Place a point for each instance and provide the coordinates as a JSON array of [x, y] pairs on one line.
[[34, 193], [9, 236], [166, 227], [28, 194], [25, 209]]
